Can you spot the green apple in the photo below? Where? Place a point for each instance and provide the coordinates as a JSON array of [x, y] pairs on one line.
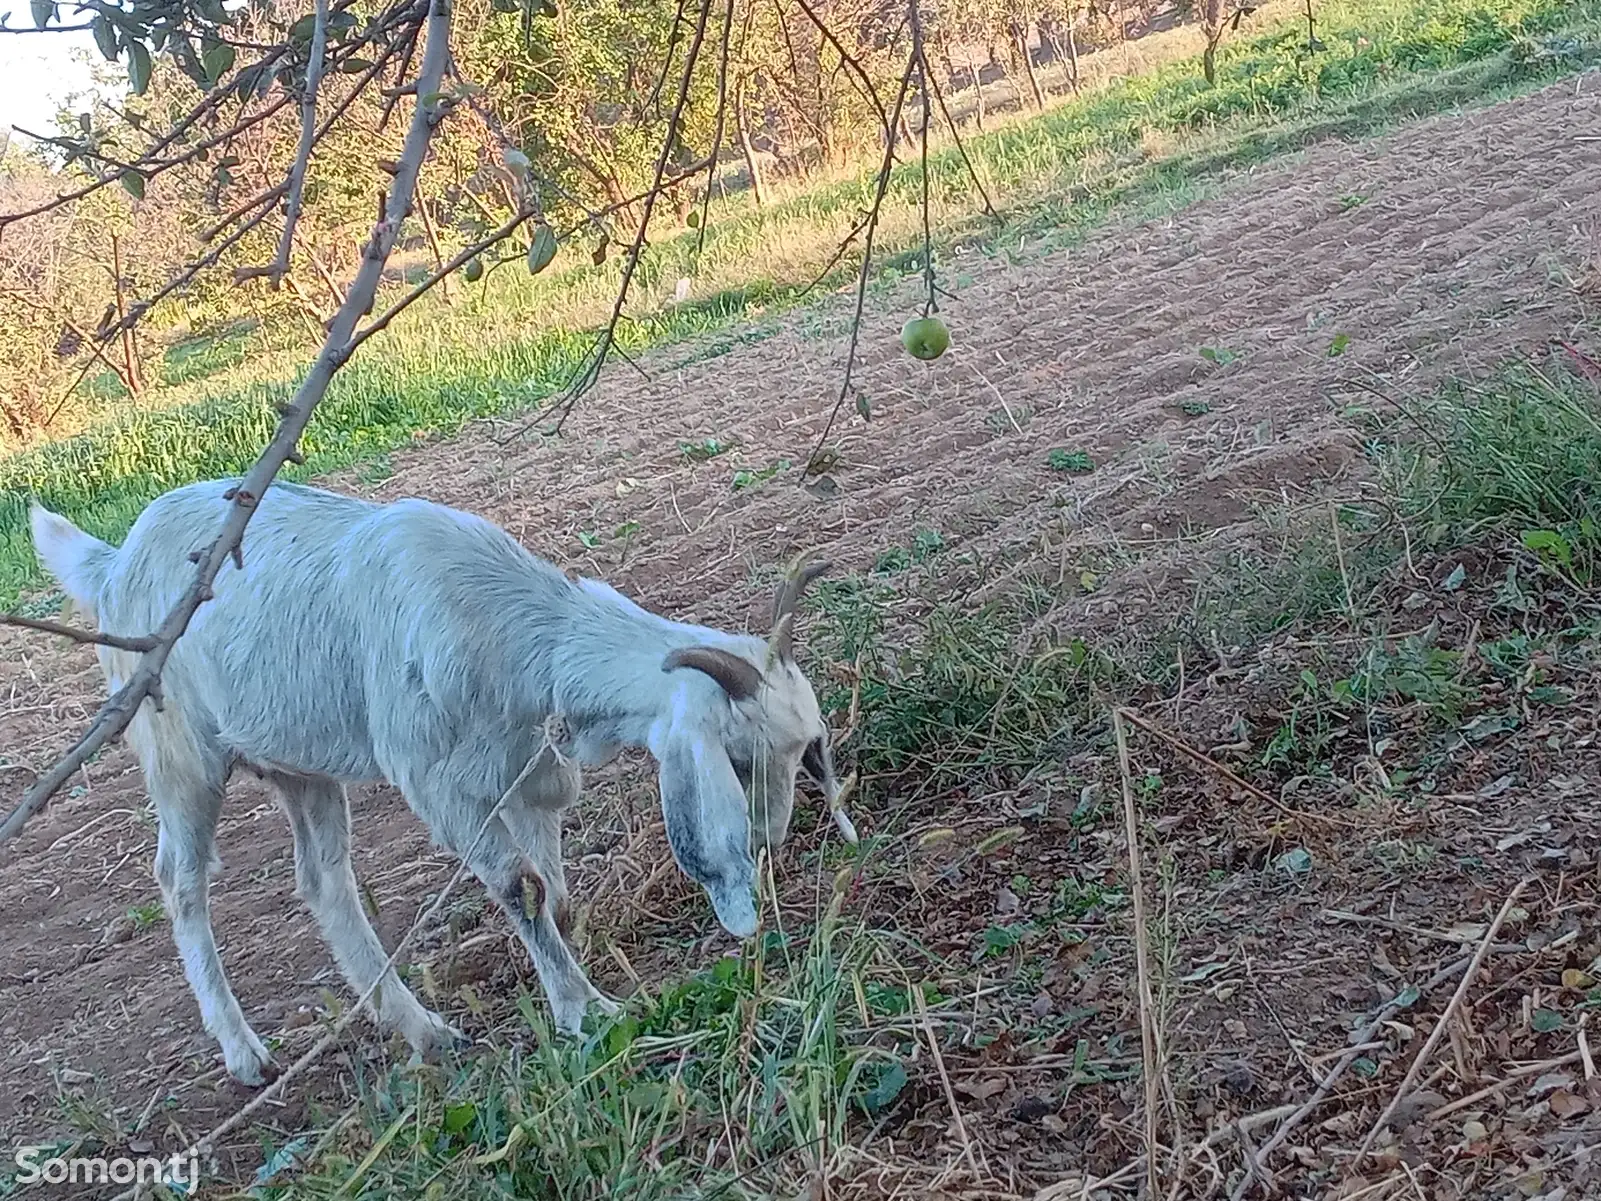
[[925, 337]]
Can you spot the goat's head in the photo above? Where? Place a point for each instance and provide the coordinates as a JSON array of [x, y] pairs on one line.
[[733, 770]]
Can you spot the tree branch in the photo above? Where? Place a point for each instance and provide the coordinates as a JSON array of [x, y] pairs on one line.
[[382, 321], [144, 680], [867, 260], [591, 371], [55, 627], [308, 130]]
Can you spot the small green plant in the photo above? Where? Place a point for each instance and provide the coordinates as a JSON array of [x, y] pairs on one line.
[[1352, 200], [1338, 346], [1075, 461], [745, 479], [375, 470], [1194, 408], [146, 915], [1219, 356], [589, 539], [706, 448]]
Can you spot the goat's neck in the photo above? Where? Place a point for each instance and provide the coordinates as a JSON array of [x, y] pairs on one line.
[[609, 686]]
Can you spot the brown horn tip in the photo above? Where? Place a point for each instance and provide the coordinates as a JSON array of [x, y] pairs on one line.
[[795, 581]]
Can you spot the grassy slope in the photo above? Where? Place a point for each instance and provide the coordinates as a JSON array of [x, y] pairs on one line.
[[1059, 174], [823, 1033]]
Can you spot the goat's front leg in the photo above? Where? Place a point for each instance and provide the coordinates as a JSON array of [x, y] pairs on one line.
[[537, 831], [500, 864], [319, 814]]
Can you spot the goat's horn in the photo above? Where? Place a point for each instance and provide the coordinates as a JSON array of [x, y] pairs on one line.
[[781, 641]]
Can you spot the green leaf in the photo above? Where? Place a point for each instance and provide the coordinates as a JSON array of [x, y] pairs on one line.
[[138, 67], [459, 1117], [134, 184], [1062, 459], [43, 10], [105, 37], [541, 248], [891, 1080], [1549, 542], [302, 29], [217, 58], [1544, 1021], [1337, 347]]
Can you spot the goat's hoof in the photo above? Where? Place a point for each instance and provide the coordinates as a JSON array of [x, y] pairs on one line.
[[606, 1005], [434, 1035], [250, 1063]]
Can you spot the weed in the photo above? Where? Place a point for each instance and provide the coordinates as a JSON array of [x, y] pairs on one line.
[[146, 915], [706, 448], [745, 479], [1076, 461]]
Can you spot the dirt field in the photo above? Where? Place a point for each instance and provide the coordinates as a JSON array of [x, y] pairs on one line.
[[1442, 249]]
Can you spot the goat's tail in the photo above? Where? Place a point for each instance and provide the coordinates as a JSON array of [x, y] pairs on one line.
[[79, 561]]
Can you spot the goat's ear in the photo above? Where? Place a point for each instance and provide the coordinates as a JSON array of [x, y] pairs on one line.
[[740, 678], [708, 826]]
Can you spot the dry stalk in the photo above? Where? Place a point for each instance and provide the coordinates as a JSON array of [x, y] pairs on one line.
[[1442, 1025], [1205, 760], [1150, 1034]]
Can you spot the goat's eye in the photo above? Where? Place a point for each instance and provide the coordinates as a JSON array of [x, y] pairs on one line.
[[814, 760]]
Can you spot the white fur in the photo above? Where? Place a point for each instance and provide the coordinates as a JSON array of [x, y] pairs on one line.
[[422, 645]]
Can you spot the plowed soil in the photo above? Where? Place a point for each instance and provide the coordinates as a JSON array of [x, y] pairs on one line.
[[1445, 248]]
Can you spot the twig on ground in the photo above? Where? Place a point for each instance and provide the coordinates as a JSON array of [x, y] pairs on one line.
[[1205, 760], [1440, 1027], [1506, 1082], [945, 1080]]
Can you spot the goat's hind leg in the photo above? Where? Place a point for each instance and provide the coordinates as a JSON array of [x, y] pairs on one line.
[[319, 814], [187, 788]]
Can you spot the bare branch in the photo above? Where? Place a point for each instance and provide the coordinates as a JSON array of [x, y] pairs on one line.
[[717, 136], [55, 627], [591, 371], [867, 261], [143, 682], [382, 321], [308, 130], [961, 148], [852, 66]]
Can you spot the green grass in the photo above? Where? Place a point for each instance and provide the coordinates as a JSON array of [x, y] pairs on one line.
[[1060, 175], [788, 1047]]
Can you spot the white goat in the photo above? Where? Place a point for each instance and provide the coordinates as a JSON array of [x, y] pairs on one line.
[[422, 645]]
